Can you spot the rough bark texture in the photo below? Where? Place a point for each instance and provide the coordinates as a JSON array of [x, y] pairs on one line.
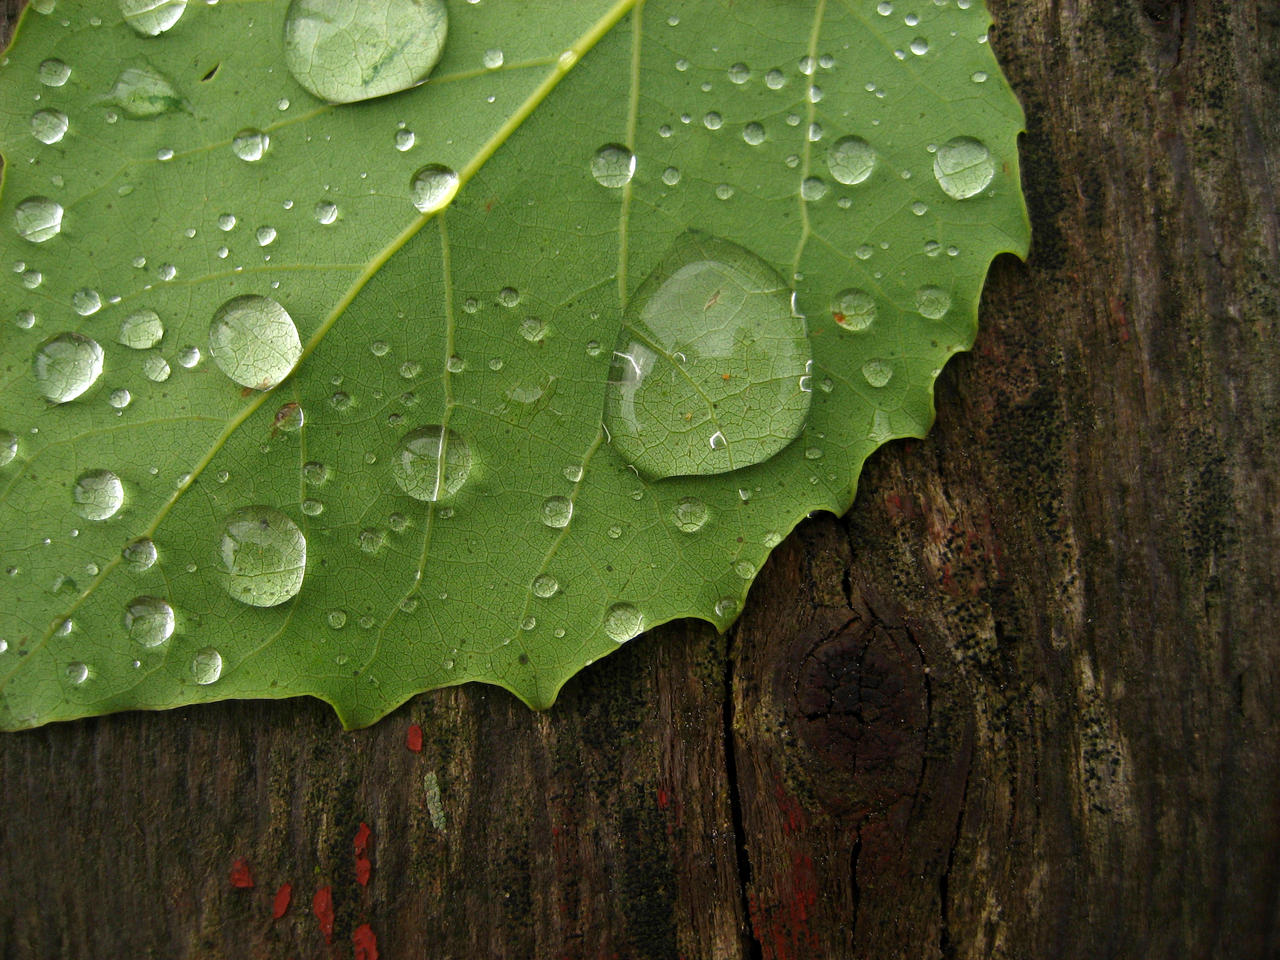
[[1020, 703]]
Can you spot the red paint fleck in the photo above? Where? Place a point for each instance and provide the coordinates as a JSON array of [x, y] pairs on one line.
[[366, 943], [363, 870], [241, 878], [362, 839], [363, 865], [663, 798], [322, 907], [280, 905], [413, 738]]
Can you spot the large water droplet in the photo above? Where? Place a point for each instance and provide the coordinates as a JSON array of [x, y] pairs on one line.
[[254, 342], [262, 556], [690, 515], [38, 219], [557, 512], [851, 160], [250, 145], [149, 620], [964, 167], [140, 330], [613, 165], [152, 17], [622, 621], [49, 126], [933, 302], [206, 666], [706, 376], [853, 309], [54, 73], [432, 187], [545, 585], [66, 366], [432, 463], [139, 554], [143, 93], [343, 51], [97, 495]]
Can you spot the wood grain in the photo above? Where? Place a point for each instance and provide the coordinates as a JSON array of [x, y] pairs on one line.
[[1020, 703]]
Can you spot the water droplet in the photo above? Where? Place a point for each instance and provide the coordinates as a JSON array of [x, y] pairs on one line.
[[326, 212], [613, 165], [97, 495], [8, 447], [431, 463], [265, 236], [775, 79], [312, 508], [726, 607], [813, 189], [671, 176], [432, 187], [120, 398], [139, 554], [545, 585], [853, 309], [710, 347], [38, 219], [189, 356], [533, 329], [263, 556], [371, 539], [77, 673], [155, 368], [141, 330], [690, 515], [979, 76], [253, 341], [724, 191], [739, 73], [405, 140], [315, 473], [66, 366], [226, 222], [86, 302], [851, 160], [492, 59], [343, 52], [152, 17], [49, 126], [206, 666], [933, 302], [149, 620], [622, 621], [712, 120], [54, 73], [337, 619], [753, 133], [878, 373], [143, 93], [963, 167], [289, 418], [557, 512], [614, 532], [250, 145], [919, 46]]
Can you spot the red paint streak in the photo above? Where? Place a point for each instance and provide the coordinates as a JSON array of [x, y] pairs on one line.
[[413, 738], [241, 878], [1120, 317], [322, 907], [363, 871], [362, 839], [366, 943], [280, 905], [663, 798], [364, 867]]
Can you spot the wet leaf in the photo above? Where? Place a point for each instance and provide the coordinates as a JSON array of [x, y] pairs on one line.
[[471, 381]]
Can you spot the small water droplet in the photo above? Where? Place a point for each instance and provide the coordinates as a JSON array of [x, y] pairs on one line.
[[671, 176], [919, 46], [326, 212], [155, 368], [149, 620], [878, 373], [315, 473], [533, 329], [312, 508], [690, 515], [557, 512], [139, 554], [432, 187], [206, 666], [49, 126], [120, 398], [54, 73], [8, 447], [492, 58], [250, 145], [189, 356], [933, 302], [545, 585], [141, 330], [262, 556], [753, 133], [613, 165], [97, 495], [337, 619], [143, 93], [963, 167], [431, 463], [739, 73], [265, 236], [152, 17], [622, 621], [775, 79], [813, 189], [851, 160], [712, 120], [66, 366], [344, 52], [253, 341], [77, 673], [38, 219], [371, 539], [726, 607], [853, 309], [86, 302], [724, 191]]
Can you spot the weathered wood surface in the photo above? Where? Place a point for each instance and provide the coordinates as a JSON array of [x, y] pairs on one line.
[[1020, 703]]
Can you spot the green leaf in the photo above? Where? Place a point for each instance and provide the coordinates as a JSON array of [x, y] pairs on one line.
[[513, 431]]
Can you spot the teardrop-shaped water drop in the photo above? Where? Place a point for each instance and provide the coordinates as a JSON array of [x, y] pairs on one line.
[[141, 330], [432, 187], [149, 620], [97, 495], [206, 666], [66, 366], [343, 51], [143, 93], [38, 219], [253, 341], [262, 556], [963, 167], [706, 375], [851, 160], [622, 621], [49, 126], [152, 17], [431, 463], [613, 165]]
